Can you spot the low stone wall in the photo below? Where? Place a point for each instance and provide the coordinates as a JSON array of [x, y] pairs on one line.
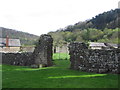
[[42, 55], [98, 61], [21, 59]]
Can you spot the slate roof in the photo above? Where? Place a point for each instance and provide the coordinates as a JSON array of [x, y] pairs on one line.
[[12, 42], [112, 45], [96, 44]]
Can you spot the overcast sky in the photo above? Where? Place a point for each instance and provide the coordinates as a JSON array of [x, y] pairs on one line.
[[41, 16]]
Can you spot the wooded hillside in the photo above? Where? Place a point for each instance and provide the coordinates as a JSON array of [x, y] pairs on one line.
[[101, 28]]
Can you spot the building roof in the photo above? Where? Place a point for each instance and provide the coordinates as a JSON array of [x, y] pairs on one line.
[[96, 44], [112, 45], [12, 42]]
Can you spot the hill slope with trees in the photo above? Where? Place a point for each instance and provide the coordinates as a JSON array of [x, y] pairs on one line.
[[109, 19], [101, 28]]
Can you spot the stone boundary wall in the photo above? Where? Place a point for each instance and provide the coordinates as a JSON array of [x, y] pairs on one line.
[[98, 61], [42, 55], [21, 59]]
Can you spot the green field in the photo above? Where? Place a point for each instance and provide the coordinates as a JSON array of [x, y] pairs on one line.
[[57, 76]]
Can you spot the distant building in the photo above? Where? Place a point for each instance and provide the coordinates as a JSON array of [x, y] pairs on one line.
[[9, 45], [27, 48], [96, 45], [111, 45], [62, 49]]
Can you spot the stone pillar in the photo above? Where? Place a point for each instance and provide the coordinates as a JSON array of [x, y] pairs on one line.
[[42, 55], [76, 51]]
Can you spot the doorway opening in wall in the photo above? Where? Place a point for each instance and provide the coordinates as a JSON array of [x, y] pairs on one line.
[[61, 53]]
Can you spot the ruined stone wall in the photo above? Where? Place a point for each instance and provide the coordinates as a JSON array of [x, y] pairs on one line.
[[42, 54], [98, 61], [21, 59]]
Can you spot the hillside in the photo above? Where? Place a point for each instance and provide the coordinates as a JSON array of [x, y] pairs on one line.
[[25, 38], [109, 19], [101, 28]]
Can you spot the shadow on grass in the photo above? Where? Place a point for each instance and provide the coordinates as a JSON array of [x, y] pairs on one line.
[[34, 69], [24, 68]]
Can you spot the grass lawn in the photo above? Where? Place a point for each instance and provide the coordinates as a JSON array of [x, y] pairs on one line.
[[57, 76]]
